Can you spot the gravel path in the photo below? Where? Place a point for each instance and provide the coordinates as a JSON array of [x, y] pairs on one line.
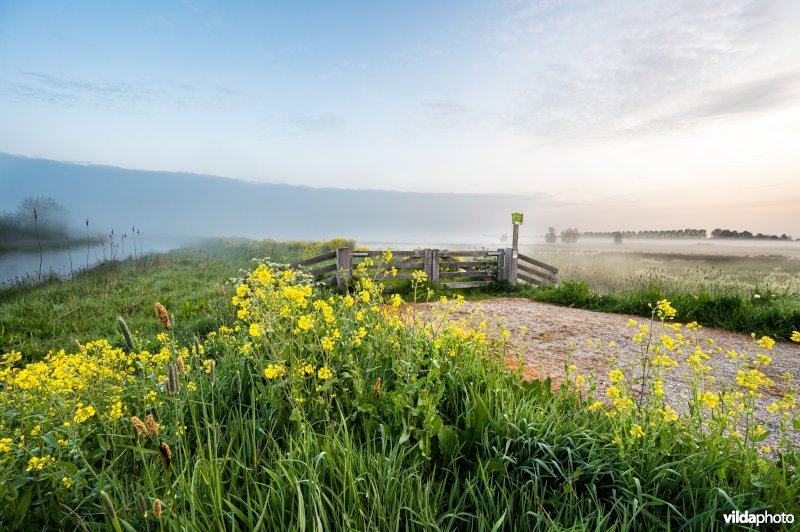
[[554, 332]]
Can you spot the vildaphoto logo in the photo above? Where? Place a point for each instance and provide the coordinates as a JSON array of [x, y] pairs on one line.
[[765, 518]]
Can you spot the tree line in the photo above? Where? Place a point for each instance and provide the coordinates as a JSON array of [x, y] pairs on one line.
[[42, 218], [572, 234]]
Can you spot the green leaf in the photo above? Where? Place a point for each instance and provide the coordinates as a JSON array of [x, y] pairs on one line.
[[68, 467], [448, 442], [499, 522], [796, 423]]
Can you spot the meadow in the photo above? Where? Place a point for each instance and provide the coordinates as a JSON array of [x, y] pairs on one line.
[[744, 287], [252, 399]]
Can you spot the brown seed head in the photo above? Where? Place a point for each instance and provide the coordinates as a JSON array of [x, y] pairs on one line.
[[152, 428], [162, 315], [166, 455], [377, 386], [138, 426], [158, 509], [181, 366]]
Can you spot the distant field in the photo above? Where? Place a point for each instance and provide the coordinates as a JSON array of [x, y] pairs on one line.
[[687, 265], [740, 286]]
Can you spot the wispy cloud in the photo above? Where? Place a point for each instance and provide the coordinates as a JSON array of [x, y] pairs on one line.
[[60, 91], [583, 69]]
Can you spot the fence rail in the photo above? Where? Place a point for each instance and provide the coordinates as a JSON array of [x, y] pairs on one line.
[[442, 267]]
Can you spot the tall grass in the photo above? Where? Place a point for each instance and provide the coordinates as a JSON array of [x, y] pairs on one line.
[[280, 423]]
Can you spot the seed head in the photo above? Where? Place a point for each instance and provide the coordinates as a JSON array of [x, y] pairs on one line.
[[109, 507], [152, 428], [162, 315], [138, 426], [166, 455], [126, 333], [158, 509], [142, 504]]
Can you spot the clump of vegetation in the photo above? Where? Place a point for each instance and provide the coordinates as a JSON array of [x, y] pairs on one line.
[[345, 411], [37, 221], [570, 235]]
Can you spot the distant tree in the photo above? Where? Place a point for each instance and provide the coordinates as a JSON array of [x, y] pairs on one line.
[[617, 235], [570, 235], [52, 219], [551, 236]]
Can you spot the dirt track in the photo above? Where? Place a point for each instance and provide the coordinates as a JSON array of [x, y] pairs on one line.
[[554, 333]]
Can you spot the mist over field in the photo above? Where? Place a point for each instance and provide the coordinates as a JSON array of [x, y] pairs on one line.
[[190, 206]]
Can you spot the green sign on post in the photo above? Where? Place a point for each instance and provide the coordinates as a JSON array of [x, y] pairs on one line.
[[516, 217]]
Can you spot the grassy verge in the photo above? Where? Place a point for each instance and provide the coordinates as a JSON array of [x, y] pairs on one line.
[[190, 282], [310, 409]]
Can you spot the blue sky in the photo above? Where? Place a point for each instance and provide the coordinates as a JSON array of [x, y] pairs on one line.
[[640, 113]]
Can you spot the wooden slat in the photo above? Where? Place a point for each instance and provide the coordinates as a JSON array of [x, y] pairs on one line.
[[325, 269], [538, 263], [467, 284], [473, 253], [313, 260], [398, 277], [465, 264], [528, 279], [458, 275], [398, 266], [534, 271]]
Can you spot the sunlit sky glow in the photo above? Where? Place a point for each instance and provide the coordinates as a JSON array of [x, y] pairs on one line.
[[629, 114]]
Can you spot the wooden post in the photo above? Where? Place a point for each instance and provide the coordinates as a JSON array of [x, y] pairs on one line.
[[501, 266], [511, 256], [427, 263], [344, 263], [515, 238], [434, 277]]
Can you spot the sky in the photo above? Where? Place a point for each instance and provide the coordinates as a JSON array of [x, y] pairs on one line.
[[624, 114]]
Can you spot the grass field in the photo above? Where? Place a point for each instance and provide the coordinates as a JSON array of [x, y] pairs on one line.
[[745, 289], [271, 404]]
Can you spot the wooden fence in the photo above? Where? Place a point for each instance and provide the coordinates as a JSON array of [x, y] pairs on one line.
[[449, 269]]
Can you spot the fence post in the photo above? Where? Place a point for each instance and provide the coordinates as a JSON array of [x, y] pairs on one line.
[[427, 263], [434, 277], [501, 265], [344, 263], [511, 256]]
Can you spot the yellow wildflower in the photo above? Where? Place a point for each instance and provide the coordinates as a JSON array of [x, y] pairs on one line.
[[324, 373]]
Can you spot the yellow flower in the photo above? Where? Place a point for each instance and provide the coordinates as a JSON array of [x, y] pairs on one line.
[[709, 399], [396, 300], [305, 322], [327, 344], [658, 388], [766, 342], [324, 373], [613, 392], [795, 336], [82, 413], [595, 406], [255, 329], [67, 482], [5, 444], [274, 370], [637, 431], [664, 310], [191, 386], [765, 449], [616, 376]]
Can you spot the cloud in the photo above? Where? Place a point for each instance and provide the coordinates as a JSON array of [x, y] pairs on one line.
[[579, 70], [120, 94]]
